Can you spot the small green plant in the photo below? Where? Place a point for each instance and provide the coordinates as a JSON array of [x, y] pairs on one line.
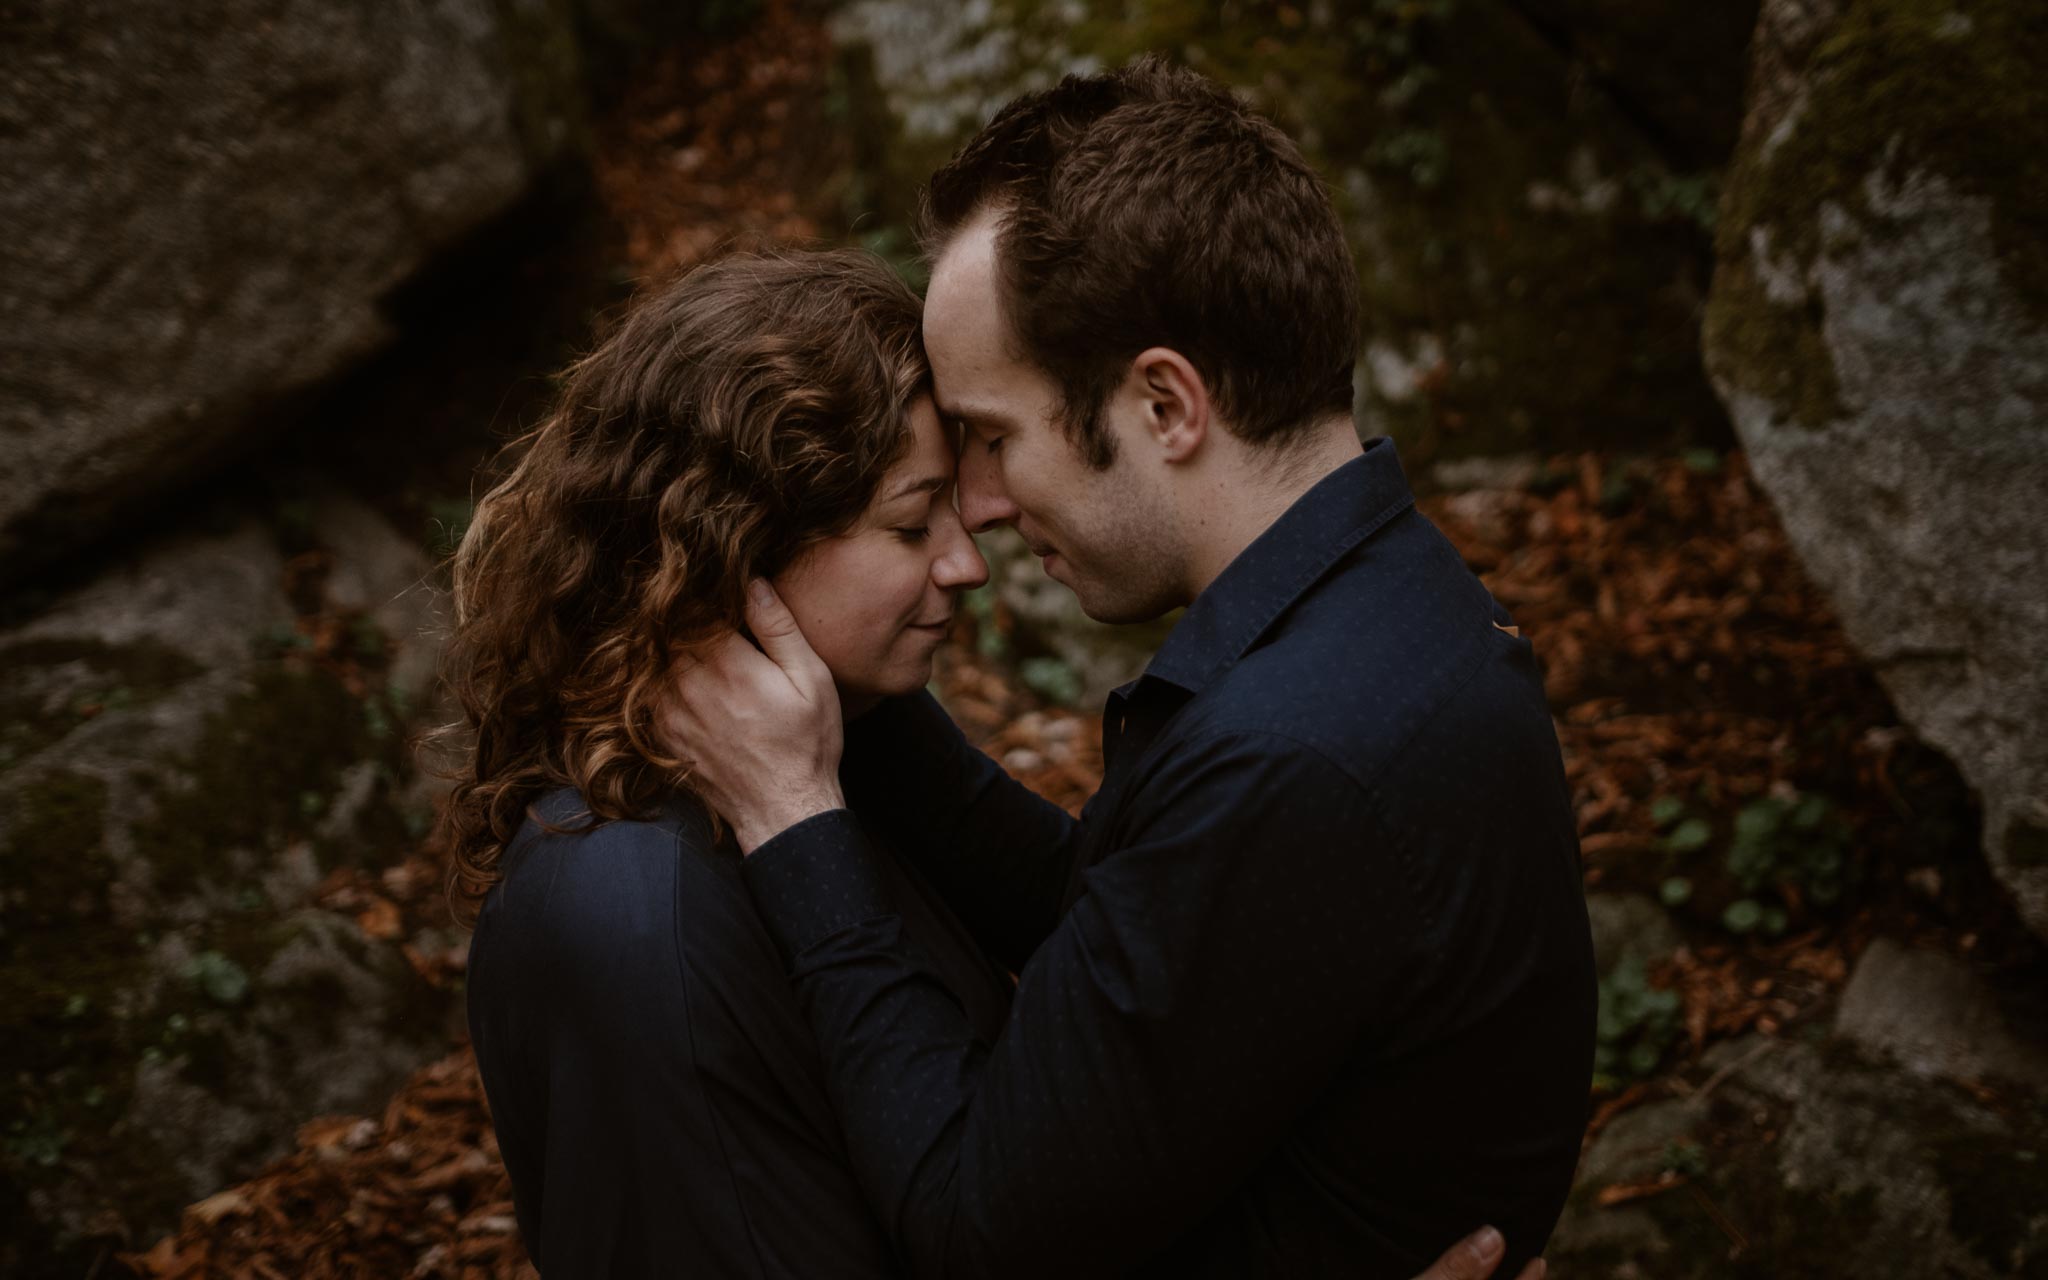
[[1702, 462], [1784, 851], [1683, 830], [37, 1140], [1420, 153], [223, 981], [1051, 679], [1686, 1158], [1636, 1027], [989, 640], [1786, 847], [1677, 197]]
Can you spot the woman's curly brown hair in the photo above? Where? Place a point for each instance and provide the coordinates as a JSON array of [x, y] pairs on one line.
[[734, 416]]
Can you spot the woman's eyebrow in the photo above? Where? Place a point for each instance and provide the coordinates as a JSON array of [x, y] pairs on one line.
[[923, 484]]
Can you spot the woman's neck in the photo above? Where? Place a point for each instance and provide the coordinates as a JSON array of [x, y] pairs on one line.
[[852, 706]]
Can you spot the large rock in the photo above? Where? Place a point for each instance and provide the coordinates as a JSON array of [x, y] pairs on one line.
[[1811, 1159], [1878, 328], [205, 204], [1528, 186], [177, 775], [1930, 1014]]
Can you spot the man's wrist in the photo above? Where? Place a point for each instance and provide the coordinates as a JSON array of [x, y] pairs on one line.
[[757, 829]]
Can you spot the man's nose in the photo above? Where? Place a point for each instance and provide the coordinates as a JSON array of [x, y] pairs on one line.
[[984, 504]]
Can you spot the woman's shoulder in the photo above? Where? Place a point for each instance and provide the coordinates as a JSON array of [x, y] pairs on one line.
[[626, 927], [570, 884]]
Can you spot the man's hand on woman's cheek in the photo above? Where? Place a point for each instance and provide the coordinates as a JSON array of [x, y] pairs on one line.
[[760, 727]]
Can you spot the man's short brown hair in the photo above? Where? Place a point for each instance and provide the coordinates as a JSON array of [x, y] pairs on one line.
[[1147, 206]]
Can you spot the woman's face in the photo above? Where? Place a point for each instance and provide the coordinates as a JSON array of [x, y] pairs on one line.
[[875, 602]]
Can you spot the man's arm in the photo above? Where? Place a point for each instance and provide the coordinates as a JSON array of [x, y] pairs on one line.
[[998, 852], [1221, 962]]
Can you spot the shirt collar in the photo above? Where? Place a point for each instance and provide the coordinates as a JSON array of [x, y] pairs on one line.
[[1342, 510]]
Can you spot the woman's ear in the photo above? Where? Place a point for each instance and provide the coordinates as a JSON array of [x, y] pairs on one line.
[[1175, 401]]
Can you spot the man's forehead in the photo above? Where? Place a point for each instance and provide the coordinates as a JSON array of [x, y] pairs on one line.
[[962, 293]]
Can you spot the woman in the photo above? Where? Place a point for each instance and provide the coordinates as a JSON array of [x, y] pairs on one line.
[[657, 1096], [656, 1092]]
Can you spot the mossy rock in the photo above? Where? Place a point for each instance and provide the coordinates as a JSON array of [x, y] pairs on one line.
[[1878, 328], [1808, 1160], [172, 1002], [1532, 236]]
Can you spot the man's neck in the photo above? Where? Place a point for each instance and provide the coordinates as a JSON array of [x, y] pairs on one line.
[[1230, 508]]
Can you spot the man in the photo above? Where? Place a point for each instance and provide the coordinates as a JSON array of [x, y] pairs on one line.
[[1308, 988]]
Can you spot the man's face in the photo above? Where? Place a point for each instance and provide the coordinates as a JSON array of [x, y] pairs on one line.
[[1106, 535]]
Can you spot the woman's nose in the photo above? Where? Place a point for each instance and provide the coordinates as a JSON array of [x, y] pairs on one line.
[[959, 566]]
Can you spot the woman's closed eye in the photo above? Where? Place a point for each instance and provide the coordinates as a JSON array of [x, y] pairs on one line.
[[914, 533]]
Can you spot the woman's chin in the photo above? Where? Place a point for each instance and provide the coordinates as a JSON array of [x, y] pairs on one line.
[[859, 697]]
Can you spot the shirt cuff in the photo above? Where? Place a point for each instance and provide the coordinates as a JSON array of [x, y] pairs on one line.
[[814, 880]]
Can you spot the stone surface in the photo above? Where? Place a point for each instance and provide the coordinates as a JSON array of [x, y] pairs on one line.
[[1933, 1016], [1806, 1159], [176, 778], [206, 205], [1878, 328], [388, 579], [1528, 187], [1628, 926]]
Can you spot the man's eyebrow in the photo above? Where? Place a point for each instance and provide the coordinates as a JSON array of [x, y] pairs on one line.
[[975, 415], [923, 484]]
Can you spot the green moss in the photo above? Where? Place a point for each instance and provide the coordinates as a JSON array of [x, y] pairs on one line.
[[68, 973], [291, 736], [54, 914], [82, 1000], [118, 677], [1945, 86]]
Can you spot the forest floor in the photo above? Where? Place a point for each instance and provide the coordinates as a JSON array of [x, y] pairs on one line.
[[1729, 755]]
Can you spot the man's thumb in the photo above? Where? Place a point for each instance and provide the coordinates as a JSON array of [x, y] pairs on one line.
[[775, 629]]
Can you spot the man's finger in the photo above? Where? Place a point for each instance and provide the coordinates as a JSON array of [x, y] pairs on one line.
[[1472, 1258], [774, 627], [703, 677]]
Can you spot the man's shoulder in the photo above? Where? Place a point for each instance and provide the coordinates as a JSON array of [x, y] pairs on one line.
[[1358, 667]]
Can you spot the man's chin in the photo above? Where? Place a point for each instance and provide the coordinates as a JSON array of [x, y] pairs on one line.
[[1115, 609]]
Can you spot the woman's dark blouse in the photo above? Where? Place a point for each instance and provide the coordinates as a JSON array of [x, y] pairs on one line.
[[656, 1090]]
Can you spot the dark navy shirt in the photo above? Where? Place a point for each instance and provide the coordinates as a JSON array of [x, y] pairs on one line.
[[656, 1092], [1308, 989]]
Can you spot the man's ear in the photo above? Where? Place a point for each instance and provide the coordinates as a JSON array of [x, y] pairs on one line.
[[1175, 401]]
